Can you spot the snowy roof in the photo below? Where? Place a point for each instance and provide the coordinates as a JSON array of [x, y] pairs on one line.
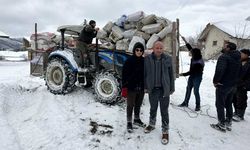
[[2, 34], [236, 29], [10, 44]]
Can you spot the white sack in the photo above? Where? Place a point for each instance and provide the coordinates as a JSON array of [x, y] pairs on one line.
[[152, 28], [165, 31], [135, 16], [152, 40]]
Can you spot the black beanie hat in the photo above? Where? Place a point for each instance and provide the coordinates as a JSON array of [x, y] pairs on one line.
[[245, 51], [138, 45]]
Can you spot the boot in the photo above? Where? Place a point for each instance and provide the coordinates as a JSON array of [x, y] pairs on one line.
[[197, 108], [241, 113], [236, 118], [219, 126], [139, 123], [148, 129], [129, 127], [183, 104], [228, 124], [165, 138]]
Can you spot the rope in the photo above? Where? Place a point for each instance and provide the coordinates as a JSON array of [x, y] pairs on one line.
[[194, 114]]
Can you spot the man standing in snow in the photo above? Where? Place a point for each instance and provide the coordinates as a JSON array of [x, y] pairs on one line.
[[240, 97], [225, 79], [159, 82]]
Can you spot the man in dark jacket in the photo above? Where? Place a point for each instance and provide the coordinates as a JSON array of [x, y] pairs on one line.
[[85, 38], [195, 76], [159, 82], [225, 79], [133, 80], [240, 97]]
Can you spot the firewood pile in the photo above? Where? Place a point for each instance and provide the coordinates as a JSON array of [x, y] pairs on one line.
[[137, 27]]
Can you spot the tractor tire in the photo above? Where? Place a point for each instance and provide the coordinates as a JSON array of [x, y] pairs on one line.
[[107, 88], [59, 77]]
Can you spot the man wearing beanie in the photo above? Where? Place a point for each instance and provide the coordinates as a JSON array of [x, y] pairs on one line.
[[240, 97], [133, 80], [85, 38]]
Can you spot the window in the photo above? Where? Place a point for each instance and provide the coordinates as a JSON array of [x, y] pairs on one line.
[[214, 43]]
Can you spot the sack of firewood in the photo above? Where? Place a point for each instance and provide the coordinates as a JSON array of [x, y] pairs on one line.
[[165, 31], [130, 25], [116, 34], [108, 27], [144, 35], [150, 19], [152, 40], [135, 16], [152, 28], [101, 34], [122, 44], [129, 34]]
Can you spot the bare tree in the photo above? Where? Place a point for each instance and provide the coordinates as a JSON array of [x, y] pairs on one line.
[[241, 33]]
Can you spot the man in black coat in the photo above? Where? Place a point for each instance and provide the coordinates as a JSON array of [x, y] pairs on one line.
[[240, 97], [225, 79], [133, 80]]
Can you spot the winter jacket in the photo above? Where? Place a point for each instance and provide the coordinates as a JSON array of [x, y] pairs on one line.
[[87, 34], [196, 68], [167, 73], [244, 81], [227, 69], [196, 65], [133, 73]]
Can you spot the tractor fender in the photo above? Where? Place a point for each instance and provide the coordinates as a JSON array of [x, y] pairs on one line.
[[67, 55]]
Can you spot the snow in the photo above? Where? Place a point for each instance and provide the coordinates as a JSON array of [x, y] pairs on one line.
[[14, 56], [32, 118]]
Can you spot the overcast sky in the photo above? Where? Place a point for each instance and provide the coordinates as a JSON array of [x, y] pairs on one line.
[[17, 18]]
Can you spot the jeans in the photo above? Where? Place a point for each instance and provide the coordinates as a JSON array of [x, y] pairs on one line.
[[134, 102], [193, 82], [224, 97], [155, 97]]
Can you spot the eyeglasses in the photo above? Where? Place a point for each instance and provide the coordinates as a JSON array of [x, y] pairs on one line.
[[138, 50]]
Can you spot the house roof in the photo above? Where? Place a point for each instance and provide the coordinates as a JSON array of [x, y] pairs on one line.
[[2, 34], [235, 29]]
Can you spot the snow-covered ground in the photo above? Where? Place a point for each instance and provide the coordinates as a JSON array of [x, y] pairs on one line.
[[14, 56], [31, 118]]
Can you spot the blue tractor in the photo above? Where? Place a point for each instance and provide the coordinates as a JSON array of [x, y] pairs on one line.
[[64, 72]]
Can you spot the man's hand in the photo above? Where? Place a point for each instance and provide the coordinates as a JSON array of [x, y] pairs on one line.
[[183, 38], [97, 29]]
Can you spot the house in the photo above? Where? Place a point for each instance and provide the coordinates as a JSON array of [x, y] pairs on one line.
[[213, 37], [3, 35], [12, 44]]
